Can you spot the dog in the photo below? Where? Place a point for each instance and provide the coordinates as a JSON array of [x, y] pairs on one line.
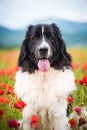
[[45, 78]]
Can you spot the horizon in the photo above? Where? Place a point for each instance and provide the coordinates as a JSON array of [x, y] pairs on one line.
[[34, 22]]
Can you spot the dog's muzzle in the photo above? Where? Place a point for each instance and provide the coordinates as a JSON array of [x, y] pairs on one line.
[[43, 52]]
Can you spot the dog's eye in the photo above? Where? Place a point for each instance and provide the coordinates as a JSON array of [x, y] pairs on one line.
[[51, 38], [36, 37], [33, 38]]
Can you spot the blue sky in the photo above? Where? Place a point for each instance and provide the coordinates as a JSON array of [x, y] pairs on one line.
[[19, 13]]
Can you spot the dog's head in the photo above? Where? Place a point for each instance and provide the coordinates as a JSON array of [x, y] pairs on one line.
[[42, 48]]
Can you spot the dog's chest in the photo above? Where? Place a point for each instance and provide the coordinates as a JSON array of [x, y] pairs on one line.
[[41, 90], [44, 89]]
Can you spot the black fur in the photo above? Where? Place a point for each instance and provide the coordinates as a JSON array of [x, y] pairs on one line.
[[59, 59]]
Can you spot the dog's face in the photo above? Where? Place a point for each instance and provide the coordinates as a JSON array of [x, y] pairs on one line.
[[43, 46], [42, 43]]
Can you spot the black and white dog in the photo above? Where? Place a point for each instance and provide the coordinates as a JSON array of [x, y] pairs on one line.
[[45, 78]]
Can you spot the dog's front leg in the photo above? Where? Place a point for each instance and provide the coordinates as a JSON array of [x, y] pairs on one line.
[[27, 113], [60, 123], [57, 116]]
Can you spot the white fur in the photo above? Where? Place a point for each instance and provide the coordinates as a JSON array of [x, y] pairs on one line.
[[45, 93], [44, 44]]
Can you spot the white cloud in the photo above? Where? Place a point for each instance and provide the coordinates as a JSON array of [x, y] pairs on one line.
[[18, 13]]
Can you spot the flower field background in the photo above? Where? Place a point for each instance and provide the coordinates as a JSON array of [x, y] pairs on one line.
[[11, 107]]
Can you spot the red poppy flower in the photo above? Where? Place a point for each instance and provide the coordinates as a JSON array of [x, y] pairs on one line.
[[2, 85], [17, 68], [10, 71], [34, 118], [34, 121], [34, 125], [1, 92], [1, 72], [9, 89], [19, 104], [76, 81], [82, 121], [69, 99], [13, 123], [78, 110], [1, 113], [84, 67], [72, 122], [83, 81], [4, 99], [74, 66]]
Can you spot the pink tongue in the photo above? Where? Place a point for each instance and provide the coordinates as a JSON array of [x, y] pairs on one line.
[[43, 65]]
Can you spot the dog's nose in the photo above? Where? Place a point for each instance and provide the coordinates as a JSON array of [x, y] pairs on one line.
[[43, 50]]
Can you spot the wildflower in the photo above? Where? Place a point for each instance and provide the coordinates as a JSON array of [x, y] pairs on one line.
[[9, 89], [13, 123], [83, 81], [17, 68], [1, 72], [76, 81], [19, 104], [82, 121], [34, 118], [74, 66], [72, 122], [84, 67], [4, 99], [10, 71], [34, 125], [34, 121], [78, 110], [2, 85], [69, 99], [1, 92], [1, 113]]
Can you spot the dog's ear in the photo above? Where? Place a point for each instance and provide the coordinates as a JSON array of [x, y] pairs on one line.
[[23, 53], [24, 47], [61, 45]]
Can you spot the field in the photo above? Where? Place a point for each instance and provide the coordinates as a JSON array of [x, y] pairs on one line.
[[11, 107]]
